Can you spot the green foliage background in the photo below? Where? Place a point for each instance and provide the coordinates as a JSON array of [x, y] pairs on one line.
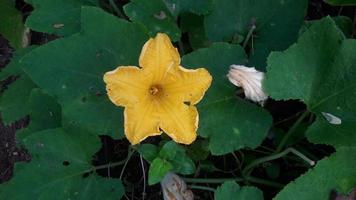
[[59, 85]]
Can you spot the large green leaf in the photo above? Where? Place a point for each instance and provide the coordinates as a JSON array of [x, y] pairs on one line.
[[72, 69], [14, 99], [60, 17], [60, 161], [321, 70], [230, 123], [277, 24], [230, 190], [337, 172], [11, 25]]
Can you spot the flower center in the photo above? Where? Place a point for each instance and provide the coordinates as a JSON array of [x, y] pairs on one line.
[[155, 90]]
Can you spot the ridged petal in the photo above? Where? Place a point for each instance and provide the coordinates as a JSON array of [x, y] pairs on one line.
[[188, 85], [179, 121], [141, 121], [159, 56], [126, 85]]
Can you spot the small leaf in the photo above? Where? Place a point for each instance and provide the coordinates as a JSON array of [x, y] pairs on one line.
[[199, 150], [230, 190], [176, 155], [158, 169], [337, 172], [148, 151]]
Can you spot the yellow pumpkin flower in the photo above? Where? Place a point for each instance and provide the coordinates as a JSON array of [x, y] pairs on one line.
[[159, 96]]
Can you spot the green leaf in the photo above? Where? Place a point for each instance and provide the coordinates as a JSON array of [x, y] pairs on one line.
[[198, 7], [230, 123], [199, 150], [11, 26], [158, 169], [230, 190], [14, 99], [175, 154], [341, 2], [60, 17], [344, 23], [161, 15], [60, 161], [14, 67], [277, 24], [154, 15], [321, 69], [148, 151], [193, 25], [72, 69], [44, 112], [337, 172]]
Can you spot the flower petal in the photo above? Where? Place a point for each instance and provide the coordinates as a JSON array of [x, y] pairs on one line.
[[126, 85], [141, 121], [159, 56], [179, 121], [188, 85]]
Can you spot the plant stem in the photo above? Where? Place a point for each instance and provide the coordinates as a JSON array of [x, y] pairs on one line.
[[211, 180], [249, 35], [109, 165], [144, 178], [181, 47], [117, 10], [131, 151], [291, 131], [221, 180], [247, 170], [199, 187], [264, 182]]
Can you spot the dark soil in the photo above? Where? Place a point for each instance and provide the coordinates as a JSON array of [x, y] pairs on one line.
[[134, 175]]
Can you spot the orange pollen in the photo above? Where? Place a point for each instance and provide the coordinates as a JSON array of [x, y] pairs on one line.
[[155, 89]]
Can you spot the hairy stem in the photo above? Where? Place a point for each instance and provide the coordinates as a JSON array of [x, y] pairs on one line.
[[291, 131], [247, 170], [199, 187], [211, 180], [249, 35]]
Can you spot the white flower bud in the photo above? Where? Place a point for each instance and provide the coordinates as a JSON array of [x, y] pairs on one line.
[[250, 80], [174, 188]]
